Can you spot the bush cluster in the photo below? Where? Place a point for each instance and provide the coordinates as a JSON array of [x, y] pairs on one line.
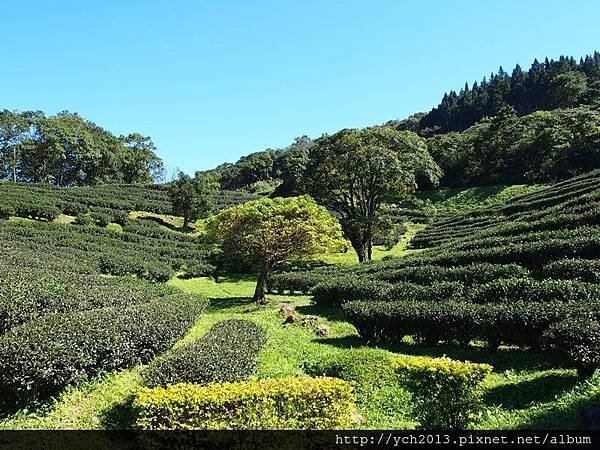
[[574, 269], [579, 338], [148, 270], [41, 357], [530, 290], [227, 352], [275, 404], [446, 394], [520, 322]]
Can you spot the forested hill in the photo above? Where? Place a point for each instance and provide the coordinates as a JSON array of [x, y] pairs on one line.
[[540, 125], [552, 84]]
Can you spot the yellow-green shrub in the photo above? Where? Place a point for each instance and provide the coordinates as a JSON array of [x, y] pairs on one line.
[[284, 403], [446, 394]]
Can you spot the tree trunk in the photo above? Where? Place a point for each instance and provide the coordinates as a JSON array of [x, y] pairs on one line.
[[370, 248], [186, 222], [259, 292], [14, 165]]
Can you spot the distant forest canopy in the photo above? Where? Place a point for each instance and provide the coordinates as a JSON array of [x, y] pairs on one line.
[[549, 85], [542, 125], [68, 150]]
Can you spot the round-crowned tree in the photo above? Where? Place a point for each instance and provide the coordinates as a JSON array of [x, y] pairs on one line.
[[266, 232]]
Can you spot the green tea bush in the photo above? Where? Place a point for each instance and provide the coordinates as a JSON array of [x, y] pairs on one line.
[[198, 269], [84, 219], [6, 211], [469, 274], [227, 352], [40, 358], [573, 269], [446, 394], [530, 290], [336, 291], [519, 323], [124, 265], [579, 338], [292, 282], [273, 404]]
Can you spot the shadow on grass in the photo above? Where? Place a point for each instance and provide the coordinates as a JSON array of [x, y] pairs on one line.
[[504, 359], [566, 415], [538, 390], [118, 416], [220, 303]]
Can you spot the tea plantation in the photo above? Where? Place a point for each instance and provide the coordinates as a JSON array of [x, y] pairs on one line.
[[111, 317]]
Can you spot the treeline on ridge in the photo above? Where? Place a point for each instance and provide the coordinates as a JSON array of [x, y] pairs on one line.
[[67, 150], [530, 127]]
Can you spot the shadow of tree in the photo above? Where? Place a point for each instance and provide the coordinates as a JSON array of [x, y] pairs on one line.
[[538, 390], [504, 359], [568, 415], [220, 303], [119, 416]]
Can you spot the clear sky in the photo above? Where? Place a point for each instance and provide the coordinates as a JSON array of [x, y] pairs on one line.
[[211, 81]]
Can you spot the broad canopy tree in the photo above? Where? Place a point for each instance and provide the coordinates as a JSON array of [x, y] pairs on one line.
[[353, 172], [267, 232]]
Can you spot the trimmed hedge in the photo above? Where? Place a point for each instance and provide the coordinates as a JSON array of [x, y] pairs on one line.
[[295, 282], [227, 352], [339, 290], [573, 269], [6, 211], [446, 394], [198, 269], [579, 338], [40, 358], [124, 265], [530, 290], [275, 404], [470, 274], [336, 291], [520, 323]]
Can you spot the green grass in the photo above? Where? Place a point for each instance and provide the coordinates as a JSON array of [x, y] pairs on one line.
[[462, 199]]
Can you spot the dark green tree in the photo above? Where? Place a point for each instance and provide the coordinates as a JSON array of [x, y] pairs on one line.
[[190, 197], [353, 172]]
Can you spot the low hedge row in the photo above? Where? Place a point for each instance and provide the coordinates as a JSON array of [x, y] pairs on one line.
[[446, 394], [521, 323], [28, 293], [579, 338], [573, 269], [124, 265], [199, 269], [530, 290], [274, 404], [40, 358], [336, 291], [469, 274], [295, 281], [227, 352]]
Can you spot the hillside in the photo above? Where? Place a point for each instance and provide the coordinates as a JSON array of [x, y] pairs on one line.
[[485, 279]]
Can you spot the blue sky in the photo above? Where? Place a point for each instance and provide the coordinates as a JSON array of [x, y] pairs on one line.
[[211, 81]]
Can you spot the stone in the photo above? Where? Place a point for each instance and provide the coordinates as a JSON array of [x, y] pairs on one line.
[[292, 318], [287, 310], [323, 330]]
